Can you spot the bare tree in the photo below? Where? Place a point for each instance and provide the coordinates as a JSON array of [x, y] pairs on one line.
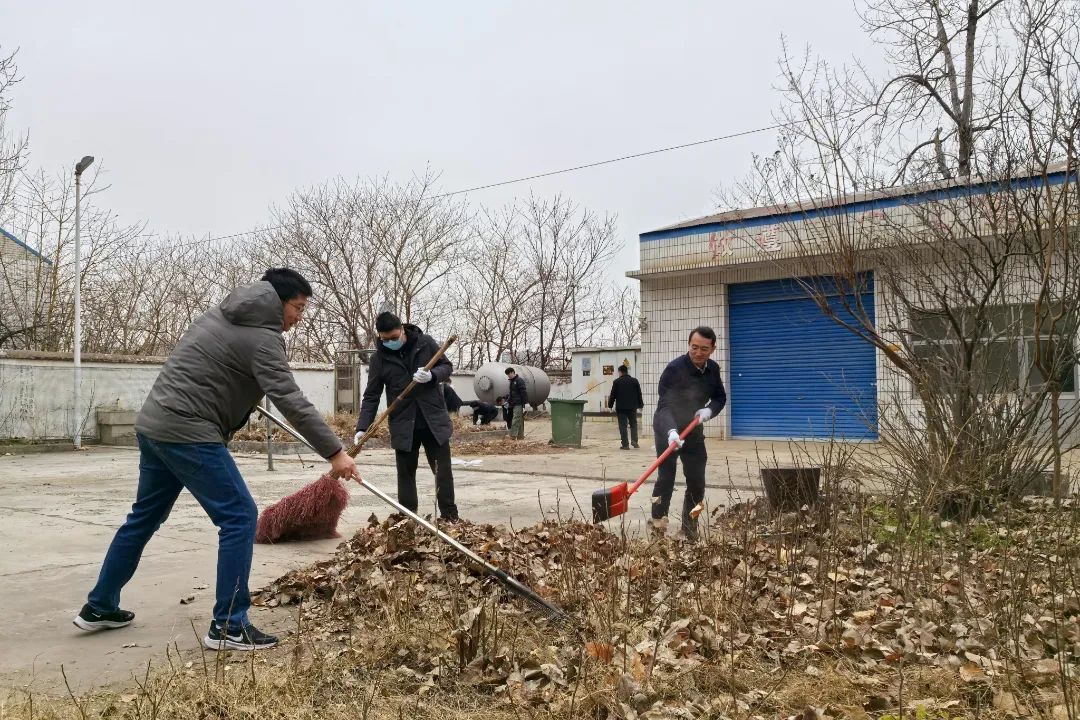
[[366, 245], [974, 131], [626, 317], [420, 239], [566, 250], [497, 290], [12, 149], [43, 217], [15, 263]]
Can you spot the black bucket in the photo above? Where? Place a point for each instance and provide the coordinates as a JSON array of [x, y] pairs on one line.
[[789, 489]]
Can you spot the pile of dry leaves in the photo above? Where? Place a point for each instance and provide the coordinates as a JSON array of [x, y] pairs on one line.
[[845, 612]]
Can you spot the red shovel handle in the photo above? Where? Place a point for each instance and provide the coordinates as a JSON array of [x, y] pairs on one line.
[[664, 456]]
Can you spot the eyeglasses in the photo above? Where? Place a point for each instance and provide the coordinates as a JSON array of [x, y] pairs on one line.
[[300, 309]]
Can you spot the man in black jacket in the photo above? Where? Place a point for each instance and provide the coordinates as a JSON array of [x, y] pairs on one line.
[[421, 418], [516, 399], [500, 402], [689, 386], [626, 399], [483, 413], [453, 402]]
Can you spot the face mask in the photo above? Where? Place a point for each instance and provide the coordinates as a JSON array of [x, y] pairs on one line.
[[393, 344]]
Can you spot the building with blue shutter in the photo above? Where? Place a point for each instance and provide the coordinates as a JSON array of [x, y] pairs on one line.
[[792, 368]]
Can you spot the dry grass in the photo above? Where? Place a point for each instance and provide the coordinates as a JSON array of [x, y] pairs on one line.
[[502, 446]]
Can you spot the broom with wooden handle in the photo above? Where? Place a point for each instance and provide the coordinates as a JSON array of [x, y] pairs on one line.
[[313, 511]]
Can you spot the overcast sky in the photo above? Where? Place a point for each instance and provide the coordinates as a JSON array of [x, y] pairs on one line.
[[205, 113]]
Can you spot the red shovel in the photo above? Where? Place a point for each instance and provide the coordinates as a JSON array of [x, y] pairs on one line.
[[614, 501]]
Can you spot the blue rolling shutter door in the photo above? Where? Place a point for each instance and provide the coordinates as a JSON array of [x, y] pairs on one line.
[[796, 373]]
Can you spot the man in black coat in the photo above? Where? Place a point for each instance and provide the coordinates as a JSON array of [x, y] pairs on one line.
[[626, 399], [500, 402], [515, 400], [453, 402], [483, 413], [421, 418], [690, 385]]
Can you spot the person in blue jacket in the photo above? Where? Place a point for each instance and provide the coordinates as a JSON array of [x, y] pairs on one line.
[[690, 385]]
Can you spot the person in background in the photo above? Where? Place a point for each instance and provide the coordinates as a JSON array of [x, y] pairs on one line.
[[689, 381], [420, 419], [501, 403], [516, 400], [483, 413], [626, 399], [453, 402]]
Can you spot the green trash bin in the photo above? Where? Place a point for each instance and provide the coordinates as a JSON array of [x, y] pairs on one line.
[[566, 418]]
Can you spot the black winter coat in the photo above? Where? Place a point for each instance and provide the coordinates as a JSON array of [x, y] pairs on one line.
[[519, 393], [453, 402], [392, 370], [626, 394], [683, 390]]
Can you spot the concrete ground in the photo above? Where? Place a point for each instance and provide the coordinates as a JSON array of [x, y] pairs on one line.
[[58, 512]]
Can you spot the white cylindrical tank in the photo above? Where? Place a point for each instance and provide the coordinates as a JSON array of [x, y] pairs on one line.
[[491, 382]]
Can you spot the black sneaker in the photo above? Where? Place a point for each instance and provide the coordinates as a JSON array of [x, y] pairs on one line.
[[246, 638], [90, 619], [636, 446], [624, 447]]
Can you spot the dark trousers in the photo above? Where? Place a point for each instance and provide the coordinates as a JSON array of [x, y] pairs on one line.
[[208, 472], [627, 417], [438, 457], [693, 457]]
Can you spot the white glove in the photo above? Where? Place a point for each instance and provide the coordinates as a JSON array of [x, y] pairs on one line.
[[705, 414], [673, 437], [356, 438], [422, 376]]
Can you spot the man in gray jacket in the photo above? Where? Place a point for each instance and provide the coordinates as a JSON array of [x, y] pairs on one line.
[[227, 360]]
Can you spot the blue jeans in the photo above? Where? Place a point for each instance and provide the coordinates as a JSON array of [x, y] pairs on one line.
[[209, 473]]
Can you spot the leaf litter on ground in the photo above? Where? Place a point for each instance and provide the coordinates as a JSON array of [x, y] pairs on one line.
[[764, 614]]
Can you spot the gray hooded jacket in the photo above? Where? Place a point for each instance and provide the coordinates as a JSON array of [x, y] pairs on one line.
[[223, 365]]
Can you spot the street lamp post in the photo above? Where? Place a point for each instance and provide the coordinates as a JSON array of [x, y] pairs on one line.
[[79, 168]]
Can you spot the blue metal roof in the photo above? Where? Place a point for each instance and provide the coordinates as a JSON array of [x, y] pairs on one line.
[[24, 246]]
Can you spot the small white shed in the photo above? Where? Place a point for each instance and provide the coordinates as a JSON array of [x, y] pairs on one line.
[[593, 369]]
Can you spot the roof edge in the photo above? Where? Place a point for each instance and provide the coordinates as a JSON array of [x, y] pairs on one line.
[[1054, 173], [24, 246]]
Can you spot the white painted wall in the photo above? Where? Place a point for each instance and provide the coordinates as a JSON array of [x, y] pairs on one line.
[[36, 391], [596, 387]]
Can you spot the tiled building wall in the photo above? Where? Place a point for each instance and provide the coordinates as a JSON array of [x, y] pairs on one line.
[[671, 308], [18, 269], [895, 393], [812, 231]]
